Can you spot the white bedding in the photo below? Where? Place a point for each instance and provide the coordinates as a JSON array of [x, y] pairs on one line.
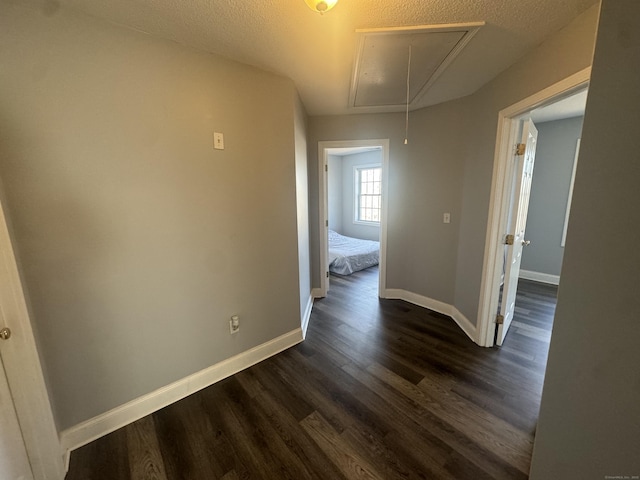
[[348, 255]]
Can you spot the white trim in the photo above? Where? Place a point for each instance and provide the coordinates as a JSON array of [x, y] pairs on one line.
[[24, 372], [570, 197], [356, 193], [465, 324], [498, 208], [118, 417], [540, 277], [307, 316], [316, 293], [67, 460], [437, 306], [323, 216], [323, 207]]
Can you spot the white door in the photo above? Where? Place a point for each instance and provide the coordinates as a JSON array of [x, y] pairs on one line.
[[517, 224], [14, 463], [26, 419]]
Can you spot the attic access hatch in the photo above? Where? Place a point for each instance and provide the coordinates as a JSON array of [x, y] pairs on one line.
[[380, 69]]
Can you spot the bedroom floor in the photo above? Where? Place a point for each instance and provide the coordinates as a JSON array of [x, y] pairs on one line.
[[380, 389]]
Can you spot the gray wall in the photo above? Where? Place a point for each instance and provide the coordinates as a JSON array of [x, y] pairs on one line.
[[549, 194], [590, 415], [424, 182], [447, 167], [340, 193], [302, 203], [136, 239], [567, 52]]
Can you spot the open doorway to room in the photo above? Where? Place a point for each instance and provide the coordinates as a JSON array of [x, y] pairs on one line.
[[525, 236], [353, 213], [559, 128]]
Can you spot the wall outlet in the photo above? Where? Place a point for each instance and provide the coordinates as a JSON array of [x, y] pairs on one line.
[[234, 324]]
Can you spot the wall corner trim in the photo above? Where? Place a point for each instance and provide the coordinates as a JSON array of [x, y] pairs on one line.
[[437, 306], [107, 422]]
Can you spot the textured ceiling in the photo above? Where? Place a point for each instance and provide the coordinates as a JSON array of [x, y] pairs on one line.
[[318, 51]]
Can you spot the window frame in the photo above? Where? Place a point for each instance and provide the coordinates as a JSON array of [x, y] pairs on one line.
[[357, 169]]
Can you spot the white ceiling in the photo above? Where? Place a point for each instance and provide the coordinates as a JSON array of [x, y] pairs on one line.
[[318, 51], [569, 107]]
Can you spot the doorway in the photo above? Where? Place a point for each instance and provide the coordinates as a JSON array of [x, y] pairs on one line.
[[325, 149], [509, 125]]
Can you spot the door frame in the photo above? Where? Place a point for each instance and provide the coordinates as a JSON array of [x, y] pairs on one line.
[[506, 139], [323, 207], [24, 372]]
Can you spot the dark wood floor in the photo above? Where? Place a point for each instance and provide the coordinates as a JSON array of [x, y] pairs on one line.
[[380, 389]]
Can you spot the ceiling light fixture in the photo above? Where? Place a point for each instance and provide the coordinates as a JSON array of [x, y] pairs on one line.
[[321, 6]]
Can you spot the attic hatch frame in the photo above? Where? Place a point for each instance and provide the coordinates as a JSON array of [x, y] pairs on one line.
[[469, 29]]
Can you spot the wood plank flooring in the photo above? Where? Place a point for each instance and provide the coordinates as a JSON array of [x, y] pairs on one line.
[[380, 389]]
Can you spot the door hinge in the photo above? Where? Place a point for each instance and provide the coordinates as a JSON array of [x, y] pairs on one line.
[[326, 223], [520, 148], [327, 274], [499, 319], [326, 168], [508, 240]]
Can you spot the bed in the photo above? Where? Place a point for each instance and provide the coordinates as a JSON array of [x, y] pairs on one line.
[[348, 255]]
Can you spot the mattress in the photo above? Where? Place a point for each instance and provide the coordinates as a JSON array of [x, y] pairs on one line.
[[348, 255]]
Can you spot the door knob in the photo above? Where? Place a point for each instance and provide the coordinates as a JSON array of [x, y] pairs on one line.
[[5, 334], [525, 243]]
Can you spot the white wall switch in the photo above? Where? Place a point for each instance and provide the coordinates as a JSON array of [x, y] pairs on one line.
[[446, 218], [234, 324], [218, 141]]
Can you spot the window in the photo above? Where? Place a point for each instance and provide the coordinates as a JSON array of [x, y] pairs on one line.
[[368, 190]]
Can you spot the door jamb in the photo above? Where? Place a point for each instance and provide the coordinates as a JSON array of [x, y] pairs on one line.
[[323, 207], [24, 373], [506, 137]]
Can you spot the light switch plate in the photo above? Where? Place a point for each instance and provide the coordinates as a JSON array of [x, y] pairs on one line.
[[218, 141]]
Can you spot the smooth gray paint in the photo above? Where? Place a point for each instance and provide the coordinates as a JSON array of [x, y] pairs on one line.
[[565, 53], [423, 183], [137, 240], [341, 194], [549, 194], [447, 167], [334, 192], [349, 162], [589, 420]]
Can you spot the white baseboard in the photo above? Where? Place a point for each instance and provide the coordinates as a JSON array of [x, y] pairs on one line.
[[540, 277], [437, 306], [107, 422], [316, 293], [464, 323], [66, 458], [307, 316]]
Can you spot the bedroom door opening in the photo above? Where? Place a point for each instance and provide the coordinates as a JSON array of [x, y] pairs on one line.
[[509, 123], [343, 167]]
